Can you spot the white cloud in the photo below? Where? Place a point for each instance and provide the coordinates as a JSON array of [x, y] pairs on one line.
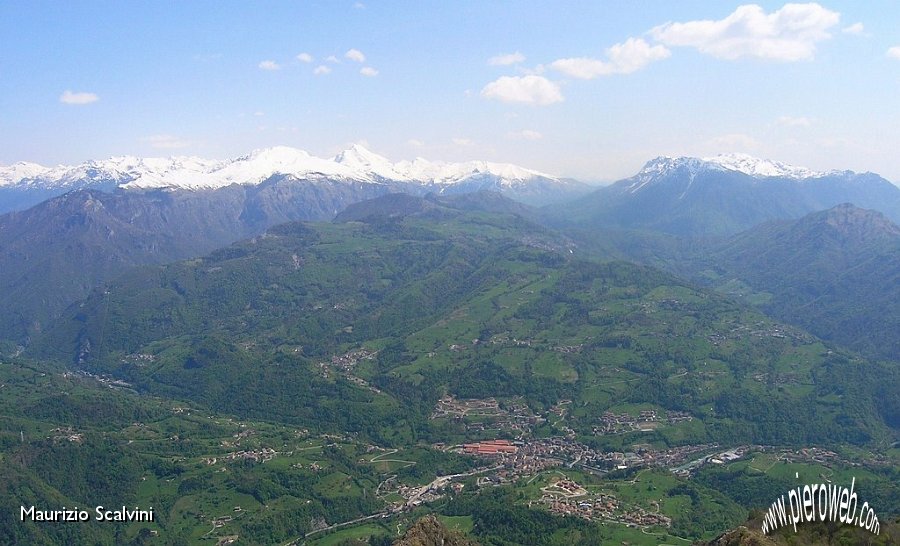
[[333, 59], [355, 55], [321, 69], [167, 142], [788, 34], [269, 65], [416, 143], [71, 97], [790, 121], [535, 90], [368, 71], [536, 71], [259, 113], [630, 56], [525, 134], [894, 53], [305, 58], [463, 141], [855, 28], [634, 54], [359, 5], [506, 59]]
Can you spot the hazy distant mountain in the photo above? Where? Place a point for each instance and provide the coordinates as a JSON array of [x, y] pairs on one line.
[[835, 272], [400, 205], [724, 195], [26, 184], [134, 211], [54, 252]]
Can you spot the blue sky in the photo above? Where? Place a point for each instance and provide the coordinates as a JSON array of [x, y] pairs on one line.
[[584, 89]]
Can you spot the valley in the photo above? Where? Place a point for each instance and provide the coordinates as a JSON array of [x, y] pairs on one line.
[[324, 382], [359, 273], [212, 477], [291, 374]]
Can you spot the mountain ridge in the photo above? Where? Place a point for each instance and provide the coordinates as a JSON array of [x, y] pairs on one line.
[[834, 272], [739, 162], [722, 196], [355, 164]]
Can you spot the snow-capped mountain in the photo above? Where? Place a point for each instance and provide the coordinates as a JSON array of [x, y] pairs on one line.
[[24, 184], [437, 173], [186, 173], [252, 168], [742, 163], [443, 174], [756, 167], [355, 163], [728, 193], [20, 171], [361, 160]]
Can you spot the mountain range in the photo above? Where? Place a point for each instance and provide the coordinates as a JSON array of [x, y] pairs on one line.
[[242, 330], [109, 216], [179, 331], [85, 224], [25, 184], [722, 196]]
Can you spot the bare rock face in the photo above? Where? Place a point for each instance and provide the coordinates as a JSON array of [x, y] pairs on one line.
[[429, 531]]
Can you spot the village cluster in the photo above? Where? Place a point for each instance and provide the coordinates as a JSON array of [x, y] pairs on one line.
[[482, 415], [512, 453], [618, 423], [567, 498]]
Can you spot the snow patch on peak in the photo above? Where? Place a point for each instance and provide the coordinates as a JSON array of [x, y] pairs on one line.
[[441, 173], [743, 163], [261, 164], [662, 166], [665, 164], [360, 155], [252, 168], [510, 171], [358, 158], [275, 155], [756, 167], [355, 164], [22, 170]]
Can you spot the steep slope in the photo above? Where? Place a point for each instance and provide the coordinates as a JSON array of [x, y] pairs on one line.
[[724, 195], [55, 253], [836, 273]]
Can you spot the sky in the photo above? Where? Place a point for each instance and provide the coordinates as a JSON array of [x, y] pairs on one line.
[[590, 90]]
